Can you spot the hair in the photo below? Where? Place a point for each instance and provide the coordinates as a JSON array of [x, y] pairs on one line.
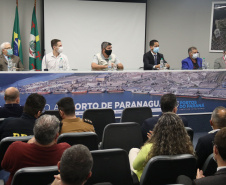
[[46, 128], [105, 44], [191, 48], [75, 165], [168, 102], [152, 42], [224, 50], [219, 117], [11, 95], [169, 137], [34, 103], [220, 143], [54, 42], [67, 106], [3, 45]]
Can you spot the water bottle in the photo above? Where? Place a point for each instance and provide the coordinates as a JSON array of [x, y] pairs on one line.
[[203, 63], [10, 64], [109, 65], [161, 63], [61, 65]]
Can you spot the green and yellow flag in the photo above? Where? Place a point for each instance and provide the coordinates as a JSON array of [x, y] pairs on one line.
[[35, 61], [16, 39]]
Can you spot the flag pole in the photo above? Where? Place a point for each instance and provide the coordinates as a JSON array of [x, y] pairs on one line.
[[35, 5], [17, 3]]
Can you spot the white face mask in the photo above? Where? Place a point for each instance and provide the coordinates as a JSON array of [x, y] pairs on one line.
[[196, 55], [60, 49]]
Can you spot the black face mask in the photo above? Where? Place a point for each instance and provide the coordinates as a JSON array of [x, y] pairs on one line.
[[108, 52]]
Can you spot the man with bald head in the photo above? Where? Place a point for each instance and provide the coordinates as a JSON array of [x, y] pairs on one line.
[[12, 107], [204, 146], [7, 54]]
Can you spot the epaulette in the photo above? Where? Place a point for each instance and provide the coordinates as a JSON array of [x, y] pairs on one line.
[[88, 121]]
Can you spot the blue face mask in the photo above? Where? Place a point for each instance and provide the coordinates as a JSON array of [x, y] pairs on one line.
[[156, 49], [9, 52]]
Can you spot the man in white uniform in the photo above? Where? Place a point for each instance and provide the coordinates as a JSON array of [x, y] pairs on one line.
[[100, 60], [55, 60]]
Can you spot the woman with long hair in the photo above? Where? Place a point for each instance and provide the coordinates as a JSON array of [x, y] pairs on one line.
[[169, 138]]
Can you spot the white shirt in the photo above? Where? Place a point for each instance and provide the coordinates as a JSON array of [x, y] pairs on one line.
[[51, 62]]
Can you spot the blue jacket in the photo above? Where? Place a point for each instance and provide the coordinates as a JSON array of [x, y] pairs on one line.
[[187, 63]]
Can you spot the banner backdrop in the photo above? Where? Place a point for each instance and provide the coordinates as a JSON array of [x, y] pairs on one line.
[[196, 91]]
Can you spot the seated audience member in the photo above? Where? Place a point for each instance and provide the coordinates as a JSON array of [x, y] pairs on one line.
[[100, 60], [41, 151], [71, 123], [23, 126], [55, 60], [204, 146], [169, 138], [220, 63], [12, 107], [152, 58], [75, 166], [7, 53], [192, 61], [168, 103], [219, 151]]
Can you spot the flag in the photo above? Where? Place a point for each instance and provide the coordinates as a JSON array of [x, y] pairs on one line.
[[16, 39], [35, 61]]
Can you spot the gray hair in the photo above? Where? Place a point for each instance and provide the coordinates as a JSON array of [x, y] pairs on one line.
[[191, 48], [46, 128], [3, 45], [219, 117], [105, 44], [224, 50]]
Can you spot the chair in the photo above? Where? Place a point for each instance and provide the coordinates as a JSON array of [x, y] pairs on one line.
[[122, 135], [136, 114], [1, 121], [35, 175], [190, 133], [111, 165], [88, 139], [100, 118], [210, 166], [165, 169], [5, 142], [54, 113]]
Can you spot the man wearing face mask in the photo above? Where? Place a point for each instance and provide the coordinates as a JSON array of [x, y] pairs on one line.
[[7, 54], [220, 63], [55, 60], [193, 61], [100, 60], [152, 58]]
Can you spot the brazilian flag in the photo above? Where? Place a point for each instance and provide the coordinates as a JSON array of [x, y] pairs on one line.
[[35, 61], [16, 39]]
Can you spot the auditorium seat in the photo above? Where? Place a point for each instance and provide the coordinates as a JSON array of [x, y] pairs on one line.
[[88, 139], [35, 175], [165, 169], [54, 113], [136, 114], [122, 135], [111, 165], [210, 166], [5, 142], [100, 118]]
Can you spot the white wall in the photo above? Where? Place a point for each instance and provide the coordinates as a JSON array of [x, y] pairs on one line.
[[7, 15], [178, 25]]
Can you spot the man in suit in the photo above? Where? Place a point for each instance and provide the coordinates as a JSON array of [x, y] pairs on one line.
[[219, 151], [7, 53], [193, 61], [152, 58], [204, 146], [168, 103], [220, 63]]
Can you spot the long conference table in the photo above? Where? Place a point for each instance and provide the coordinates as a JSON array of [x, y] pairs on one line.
[[198, 92]]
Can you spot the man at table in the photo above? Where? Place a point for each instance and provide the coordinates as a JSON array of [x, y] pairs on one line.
[[55, 60], [220, 63], [152, 58], [193, 61], [100, 60], [7, 54]]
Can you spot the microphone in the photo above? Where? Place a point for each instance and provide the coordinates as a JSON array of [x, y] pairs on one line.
[[46, 69]]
